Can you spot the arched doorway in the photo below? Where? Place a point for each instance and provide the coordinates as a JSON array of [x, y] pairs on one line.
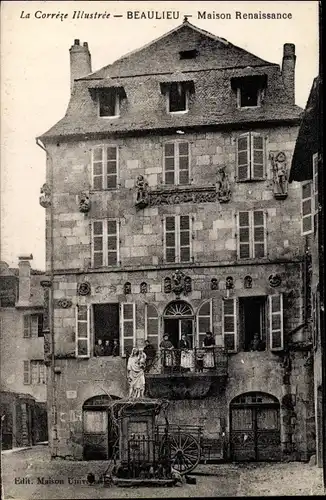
[[100, 433], [255, 427], [178, 319]]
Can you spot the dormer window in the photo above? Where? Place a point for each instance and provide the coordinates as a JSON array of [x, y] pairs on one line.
[[178, 97], [249, 90], [109, 103]]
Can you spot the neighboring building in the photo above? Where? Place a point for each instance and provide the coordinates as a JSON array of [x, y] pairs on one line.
[[168, 209], [23, 372], [307, 168]]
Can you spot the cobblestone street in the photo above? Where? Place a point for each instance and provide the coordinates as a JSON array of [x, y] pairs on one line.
[[31, 474]]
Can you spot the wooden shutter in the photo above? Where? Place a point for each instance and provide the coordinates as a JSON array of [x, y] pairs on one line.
[[26, 368], [128, 327], [97, 167], [243, 157], [259, 233], [27, 326], [229, 313], [204, 321], [184, 238], [276, 322], [82, 331], [306, 208], [97, 244], [183, 163], [170, 238], [169, 163], [244, 246], [112, 242], [152, 325], [111, 167], [257, 155]]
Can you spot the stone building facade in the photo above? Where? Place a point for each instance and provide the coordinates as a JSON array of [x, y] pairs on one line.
[[168, 210]]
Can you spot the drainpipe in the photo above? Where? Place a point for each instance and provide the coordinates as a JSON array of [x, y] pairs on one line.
[[51, 307]]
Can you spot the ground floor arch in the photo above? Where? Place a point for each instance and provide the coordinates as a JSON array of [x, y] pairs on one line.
[[255, 433]]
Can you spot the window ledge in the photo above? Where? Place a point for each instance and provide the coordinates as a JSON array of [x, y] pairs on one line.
[[183, 112], [109, 117], [252, 180], [249, 107]]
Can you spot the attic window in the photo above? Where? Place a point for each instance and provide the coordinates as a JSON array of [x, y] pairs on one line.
[[178, 97], [249, 91], [109, 102], [188, 54]]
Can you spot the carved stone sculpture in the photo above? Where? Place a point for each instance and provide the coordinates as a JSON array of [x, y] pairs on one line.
[[84, 203], [84, 288], [45, 199], [248, 282], [280, 174], [274, 280], [229, 283], [223, 186], [127, 288], [143, 287], [142, 199], [63, 303], [178, 282], [214, 284], [135, 373], [167, 285], [187, 285]]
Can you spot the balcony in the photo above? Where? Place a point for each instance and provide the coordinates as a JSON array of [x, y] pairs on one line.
[[187, 374]]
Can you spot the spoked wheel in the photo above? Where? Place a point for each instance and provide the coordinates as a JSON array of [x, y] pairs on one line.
[[185, 452]]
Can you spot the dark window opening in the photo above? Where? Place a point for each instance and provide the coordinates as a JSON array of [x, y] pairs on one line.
[[249, 94], [177, 98], [253, 323], [188, 54], [40, 326], [108, 100], [106, 330]]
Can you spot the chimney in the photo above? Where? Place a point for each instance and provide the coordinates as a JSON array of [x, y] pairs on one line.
[[80, 61], [24, 279], [288, 71]]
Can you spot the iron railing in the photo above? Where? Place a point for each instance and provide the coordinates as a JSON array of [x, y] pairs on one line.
[[183, 361]]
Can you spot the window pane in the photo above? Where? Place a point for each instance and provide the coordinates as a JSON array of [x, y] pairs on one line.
[[242, 143], [97, 227], [276, 322], [184, 238], [184, 177], [177, 96], [258, 171], [205, 309], [128, 345], [169, 149], [276, 303], [97, 154], [107, 100], [306, 224], [243, 172], [112, 227], [97, 168], [97, 182], [169, 163], [98, 259], [111, 182], [98, 243], [244, 234], [169, 178], [128, 311], [128, 328], [112, 243], [306, 190], [170, 223], [276, 340], [183, 148], [111, 167], [170, 239], [259, 250], [244, 251], [112, 258], [258, 142], [306, 207], [228, 307], [184, 222], [151, 311], [152, 326], [229, 342], [258, 218], [183, 162], [258, 157], [259, 234], [204, 324], [82, 347], [82, 330], [185, 254], [242, 158], [111, 153], [170, 255], [82, 313], [244, 218], [229, 324]]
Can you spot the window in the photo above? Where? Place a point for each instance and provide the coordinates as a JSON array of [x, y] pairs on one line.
[[249, 93], [176, 163], [204, 321], [38, 372], [128, 327], [109, 103], [33, 325], [252, 315], [306, 208], [151, 325], [229, 313], [250, 157], [177, 238], [26, 373], [105, 243], [251, 234], [178, 97], [188, 54], [315, 189], [276, 322], [106, 329], [105, 167], [82, 331]]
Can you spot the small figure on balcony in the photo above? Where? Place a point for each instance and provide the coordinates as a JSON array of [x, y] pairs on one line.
[[186, 353], [167, 353], [209, 344], [223, 186], [99, 349], [115, 347], [142, 192], [280, 176], [135, 373]]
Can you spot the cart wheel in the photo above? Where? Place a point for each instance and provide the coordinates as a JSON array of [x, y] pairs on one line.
[[185, 452]]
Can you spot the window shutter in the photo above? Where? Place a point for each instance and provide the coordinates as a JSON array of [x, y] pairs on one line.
[[111, 167], [184, 238], [243, 157], [169, 163], [257, 151], [27, 326], [97, 167], [40, 326], [183, 162], [98, 244], [128, 327], [82, 331], [315, 188], [170, 238], [229, 313], [204, 321], [112, 242], [259, 233], [276, 322], [26, 367], [244, 235], [34, 325], [152, 325], [306, 208]]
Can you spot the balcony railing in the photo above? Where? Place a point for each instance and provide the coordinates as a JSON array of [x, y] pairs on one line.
[[187, 361]]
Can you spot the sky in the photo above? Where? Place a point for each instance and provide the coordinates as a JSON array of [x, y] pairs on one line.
[[35, 79]]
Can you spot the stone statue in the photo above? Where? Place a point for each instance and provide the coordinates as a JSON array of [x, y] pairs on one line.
[[142, 192], [135, 373], [45, 200], [280, 176], [84, 203], [178, 282], [223, 186]]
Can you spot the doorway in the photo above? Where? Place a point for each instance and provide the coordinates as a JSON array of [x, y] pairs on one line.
[[255, 428], [179, 320], [253, 321]]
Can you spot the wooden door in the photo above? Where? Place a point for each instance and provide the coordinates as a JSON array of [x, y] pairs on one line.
[[242, 434], [95, 435]]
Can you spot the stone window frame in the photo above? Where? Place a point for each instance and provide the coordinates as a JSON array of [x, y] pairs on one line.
[[185, 90], [260, 96], [250, 151], [114, 92], [251, 234], [176, 144], [177, 238], [104, 176], [38, 371], [32, 326], [82, 338], [104, 234]]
